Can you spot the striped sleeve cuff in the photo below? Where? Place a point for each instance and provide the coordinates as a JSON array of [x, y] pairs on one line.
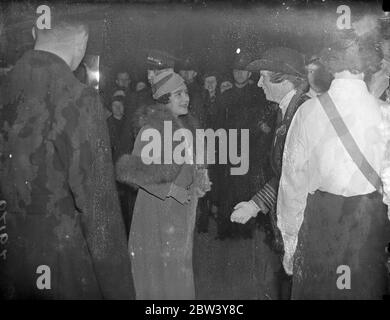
[[266, 196]]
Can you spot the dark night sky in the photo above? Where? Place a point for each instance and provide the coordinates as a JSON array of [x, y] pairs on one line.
[[211, 30]]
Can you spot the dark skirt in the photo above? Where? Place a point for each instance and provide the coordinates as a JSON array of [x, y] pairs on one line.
[[342, 231]]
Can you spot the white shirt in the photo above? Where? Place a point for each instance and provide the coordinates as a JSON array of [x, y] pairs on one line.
[[286, 101], [311, 93], [315, 159]]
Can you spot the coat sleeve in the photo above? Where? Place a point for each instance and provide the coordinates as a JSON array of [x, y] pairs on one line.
[[91, 181], [156, 177], [293, 188], [265, 198]]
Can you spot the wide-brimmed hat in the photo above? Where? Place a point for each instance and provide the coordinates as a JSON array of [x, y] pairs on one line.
[[280, 59]]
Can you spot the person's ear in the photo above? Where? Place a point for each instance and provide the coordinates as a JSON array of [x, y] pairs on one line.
[[249, 74], [195, 74]]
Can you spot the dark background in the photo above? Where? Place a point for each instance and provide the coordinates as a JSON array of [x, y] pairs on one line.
[[122, 31]]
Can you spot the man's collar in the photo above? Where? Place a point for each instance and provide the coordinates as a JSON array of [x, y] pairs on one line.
[[286, 100], [54, 56], [283, 105]]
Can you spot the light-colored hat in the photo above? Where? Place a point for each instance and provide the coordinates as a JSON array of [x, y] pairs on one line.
[[166, 82]]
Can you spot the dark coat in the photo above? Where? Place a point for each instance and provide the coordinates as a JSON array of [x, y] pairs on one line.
[[161, 236], [239, 108], [342, 231], [57, 178], [268, 193], [130, 126], [209, 111], [207, 116], [196, 100], [115, 129]]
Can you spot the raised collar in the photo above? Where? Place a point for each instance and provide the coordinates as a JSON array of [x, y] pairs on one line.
[[283, 105]]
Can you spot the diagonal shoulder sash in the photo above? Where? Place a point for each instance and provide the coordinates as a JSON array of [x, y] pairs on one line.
[[349, 143]]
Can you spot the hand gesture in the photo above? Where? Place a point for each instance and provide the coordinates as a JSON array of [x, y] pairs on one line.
[[243, 212]]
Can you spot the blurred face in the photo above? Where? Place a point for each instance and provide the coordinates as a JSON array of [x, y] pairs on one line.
[[123, 80], [179, 101], [210, 84], [273, 91], [118, 109], [188, 75], [140, 86], [241, 76]]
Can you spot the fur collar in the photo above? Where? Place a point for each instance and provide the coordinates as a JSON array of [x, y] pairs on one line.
[[131, 170], [155, 115]]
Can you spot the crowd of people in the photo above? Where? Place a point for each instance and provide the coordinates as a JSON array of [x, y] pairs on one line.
[[82, 199]]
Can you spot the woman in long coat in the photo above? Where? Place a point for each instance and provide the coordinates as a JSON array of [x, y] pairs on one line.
[[161, 235]]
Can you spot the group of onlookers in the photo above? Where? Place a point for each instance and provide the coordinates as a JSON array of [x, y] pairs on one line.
[[84, 199]]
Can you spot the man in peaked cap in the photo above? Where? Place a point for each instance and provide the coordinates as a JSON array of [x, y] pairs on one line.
[[158, 61], [282, 77], [241, 76]]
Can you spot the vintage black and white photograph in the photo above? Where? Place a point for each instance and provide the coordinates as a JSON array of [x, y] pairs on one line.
[[194, 150]]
